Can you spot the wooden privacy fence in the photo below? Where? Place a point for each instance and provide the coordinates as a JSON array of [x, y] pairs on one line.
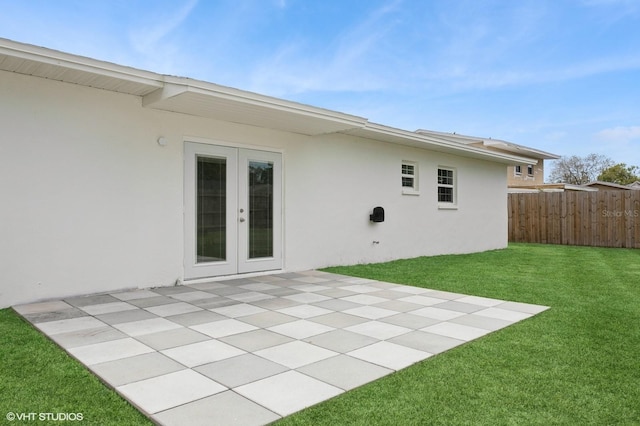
[[603, 218]]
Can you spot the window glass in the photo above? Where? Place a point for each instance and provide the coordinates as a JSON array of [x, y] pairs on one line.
[[446, 186]]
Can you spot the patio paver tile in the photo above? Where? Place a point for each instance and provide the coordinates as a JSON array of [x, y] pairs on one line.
[[107, 308], [223, 328], [195, 318], [295, 354], [268, 319], [478, 321], [389, 355], [378, 330], [94, 299], [87, 336], [126, 316], [427, 342], [364, 299], [503, 314], [239, 310], [201, 353], [307, 297], [255, 340], [228, 408], [344, 371], [132, 369], [276, 392], [300, 329], [409, 321], [455, 305], [135, 294], [147, 326], [338, 320], [191, 296], [456, 331], [437, 313], [41, 307], [240, 370], [172, 338], [62, 314], [370, 312], [108, 351], [304, 311], [69, 325], [422, 300], [341, 340], [173, 309], [145, 302], [169, 390]]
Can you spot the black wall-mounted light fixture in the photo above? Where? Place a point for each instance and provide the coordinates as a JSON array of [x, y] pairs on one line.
[[377, 215]]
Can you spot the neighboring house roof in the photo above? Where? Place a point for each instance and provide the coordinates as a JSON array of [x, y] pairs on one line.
[[634, 185], [204, 99], [608, 185], [494, 144]]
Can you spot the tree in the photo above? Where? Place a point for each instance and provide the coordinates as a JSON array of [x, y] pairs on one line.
[[579, 170], [620, 174]]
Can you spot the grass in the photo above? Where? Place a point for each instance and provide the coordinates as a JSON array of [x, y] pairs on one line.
[[36, 376], [577, 363]]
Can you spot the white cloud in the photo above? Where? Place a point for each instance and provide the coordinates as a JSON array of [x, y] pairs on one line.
[[345, 63], [164, 20], [619, 134]]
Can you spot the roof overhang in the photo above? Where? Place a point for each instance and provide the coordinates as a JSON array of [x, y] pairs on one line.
[[54, 65], [434, 142], [227, 104], [493, 143], [203, 99]]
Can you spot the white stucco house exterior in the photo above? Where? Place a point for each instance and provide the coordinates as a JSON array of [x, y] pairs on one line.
[[113, 177]]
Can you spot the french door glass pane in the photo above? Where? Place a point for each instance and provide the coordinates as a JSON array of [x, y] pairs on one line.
[[260, 209], [211, 217]]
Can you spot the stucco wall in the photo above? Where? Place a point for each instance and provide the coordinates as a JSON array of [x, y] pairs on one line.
[[91, 203]]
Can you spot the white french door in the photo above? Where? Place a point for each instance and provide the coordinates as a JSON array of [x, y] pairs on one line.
[[233, 210]]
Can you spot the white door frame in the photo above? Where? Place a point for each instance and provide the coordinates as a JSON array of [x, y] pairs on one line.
[[237, 211]]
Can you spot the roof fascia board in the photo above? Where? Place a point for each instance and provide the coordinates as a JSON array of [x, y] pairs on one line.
[[79, 63], [435, 142], [509, 146]]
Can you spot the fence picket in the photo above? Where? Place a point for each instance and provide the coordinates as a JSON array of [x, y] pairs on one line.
[[603, 218]]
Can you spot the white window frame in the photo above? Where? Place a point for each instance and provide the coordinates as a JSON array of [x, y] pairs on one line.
[[453, 204], [530, 167], [413, 189], [517, 170]]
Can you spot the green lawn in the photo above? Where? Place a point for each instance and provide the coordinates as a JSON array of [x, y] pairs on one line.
[[577, 363], [38, 377]]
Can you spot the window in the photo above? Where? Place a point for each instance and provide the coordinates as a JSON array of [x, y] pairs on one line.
[[446, 186], [409, 177], [530, 170], [518, 170]]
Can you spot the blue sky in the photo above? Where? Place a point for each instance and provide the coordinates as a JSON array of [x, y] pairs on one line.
[[558, 75]]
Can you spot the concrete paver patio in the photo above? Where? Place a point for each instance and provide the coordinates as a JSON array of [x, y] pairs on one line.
[[249, 351]]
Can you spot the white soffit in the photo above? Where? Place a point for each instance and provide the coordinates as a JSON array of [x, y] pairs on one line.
[[46, 63], [227, 104]]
